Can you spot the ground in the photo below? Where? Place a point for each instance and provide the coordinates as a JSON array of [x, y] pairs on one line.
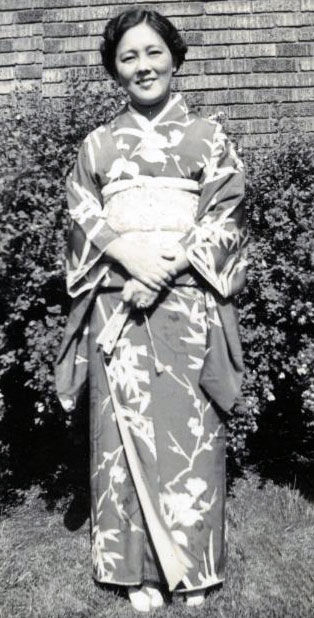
[[45, 568]]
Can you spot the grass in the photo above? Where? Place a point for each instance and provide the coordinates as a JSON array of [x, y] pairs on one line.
[[45, 569]]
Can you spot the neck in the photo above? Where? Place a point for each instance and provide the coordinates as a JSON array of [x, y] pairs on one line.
[[151, 111]]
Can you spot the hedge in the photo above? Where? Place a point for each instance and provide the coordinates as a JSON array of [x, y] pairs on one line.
[[39, 145]]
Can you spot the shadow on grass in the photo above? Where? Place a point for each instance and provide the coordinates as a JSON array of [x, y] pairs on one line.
[[57, 458], [275, 450]]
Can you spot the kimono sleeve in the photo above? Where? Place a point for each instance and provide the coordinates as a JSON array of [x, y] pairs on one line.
[[89, 231], [216, 245]]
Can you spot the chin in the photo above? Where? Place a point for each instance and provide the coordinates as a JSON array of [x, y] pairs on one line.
[[149, 99]]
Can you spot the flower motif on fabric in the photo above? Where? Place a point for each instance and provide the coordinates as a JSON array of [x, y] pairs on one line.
[[104, 561], [87, 207], [122, 166]]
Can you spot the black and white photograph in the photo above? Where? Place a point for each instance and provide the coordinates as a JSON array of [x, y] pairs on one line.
[[156, 309]]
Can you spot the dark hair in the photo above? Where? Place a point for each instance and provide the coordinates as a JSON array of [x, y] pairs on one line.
[[117, 26]]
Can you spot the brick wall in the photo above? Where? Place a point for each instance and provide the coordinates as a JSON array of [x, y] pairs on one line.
[[251, 59]]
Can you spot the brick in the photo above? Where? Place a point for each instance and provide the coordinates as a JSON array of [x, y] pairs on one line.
[[53, 76], [256, 20], [191, 7], [251, 126], [196, 98], [42, 4], [294, 49], [238, 22], [6, 45], [28, 71], [216, 97], [297, 109], [208, 111], [71, 59], [54, 46], [71, 44], [271, 80], [54, 90], [228, 66], [91, 74], [307, 5], [206, 52], [305, 33], [7, 59], [64, 60], [105, 11], [6, 87], [7, 18], [303, 124], [33, 57], [27, 86], [259, 95], [191, 68], [32, 43], [198, 22], [20, 58], [307, 64], [259, 6], [16, 31], [77, 14], [252, 51], [228, 7], [250, 36], [6, 73], [96, 27], [195, 38], [268, 65], [29, 17], [249, 111], [96, 73], [257, 141], [60, 30], [201, 82]]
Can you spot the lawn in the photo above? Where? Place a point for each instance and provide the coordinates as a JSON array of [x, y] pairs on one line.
[[45, 568]]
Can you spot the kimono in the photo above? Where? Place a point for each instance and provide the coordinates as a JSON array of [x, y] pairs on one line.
[[160, 380]]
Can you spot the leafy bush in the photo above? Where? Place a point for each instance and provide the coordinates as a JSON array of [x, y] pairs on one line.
[[276, 308], [38, 150]]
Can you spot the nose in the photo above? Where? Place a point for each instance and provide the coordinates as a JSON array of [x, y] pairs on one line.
[[143, 64]]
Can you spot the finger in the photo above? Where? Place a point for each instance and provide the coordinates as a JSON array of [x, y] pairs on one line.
[[126, 295], [152, 284], [168, 254], [165, 275]]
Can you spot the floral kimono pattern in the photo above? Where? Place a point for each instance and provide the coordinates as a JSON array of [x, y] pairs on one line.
[[158, 397]]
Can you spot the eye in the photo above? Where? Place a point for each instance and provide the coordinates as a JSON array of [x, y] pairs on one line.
[[127, 58], [155, 52]]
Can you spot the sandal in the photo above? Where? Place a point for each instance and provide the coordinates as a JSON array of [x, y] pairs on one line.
[[195, 598], [139, 599], [156, 598]]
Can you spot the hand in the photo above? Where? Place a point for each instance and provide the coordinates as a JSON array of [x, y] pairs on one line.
[[138, 294], [149, 264], [178, 261]]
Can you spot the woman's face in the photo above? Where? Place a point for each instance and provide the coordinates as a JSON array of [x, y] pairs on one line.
[[144, 65]]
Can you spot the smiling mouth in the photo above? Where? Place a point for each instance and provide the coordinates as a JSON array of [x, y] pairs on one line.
[[146, 82]]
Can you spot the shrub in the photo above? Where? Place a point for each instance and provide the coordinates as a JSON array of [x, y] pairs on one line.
[[38, 150], [276, 308]]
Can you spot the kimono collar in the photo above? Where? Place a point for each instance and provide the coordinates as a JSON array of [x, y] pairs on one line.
[[174, 110]]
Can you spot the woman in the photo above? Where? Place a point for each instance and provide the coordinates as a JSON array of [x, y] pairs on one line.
[[156, 251]]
